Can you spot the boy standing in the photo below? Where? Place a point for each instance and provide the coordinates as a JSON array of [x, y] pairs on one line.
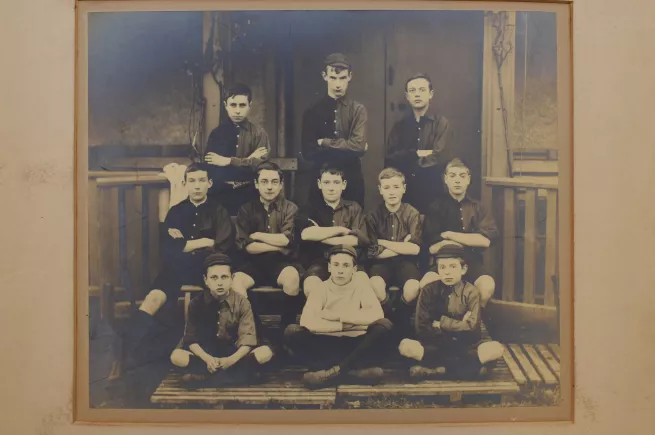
[[448, 324], [396, 238], [195, 228], [419, 145], [334, 130], [335, 221], [265, 230], [220, 338], [234, 149], [342, 328], [457, 219]]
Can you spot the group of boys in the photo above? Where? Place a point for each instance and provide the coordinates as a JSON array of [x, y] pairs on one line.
[[345, 261]]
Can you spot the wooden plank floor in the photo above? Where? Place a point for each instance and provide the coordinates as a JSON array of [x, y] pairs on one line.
[[533, 365]]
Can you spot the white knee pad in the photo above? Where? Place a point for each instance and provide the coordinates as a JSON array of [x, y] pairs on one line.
[[289, 279], [263, 354], [490, 351], [411, 349], [410, 290], [154, 300], [241, 283], [180, 358]]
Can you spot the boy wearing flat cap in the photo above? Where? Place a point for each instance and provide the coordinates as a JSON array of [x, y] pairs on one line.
[[342, 329], [334, 130], [220, 341], [449, 339]]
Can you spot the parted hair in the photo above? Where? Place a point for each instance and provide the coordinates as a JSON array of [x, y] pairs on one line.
[[268, 166], [238, 89], [456, 163], [418, 76], [195, 167], [327, 169], [387, 173]]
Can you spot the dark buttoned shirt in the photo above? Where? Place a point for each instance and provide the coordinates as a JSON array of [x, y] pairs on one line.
[[236, 141], [393, 226], [343, 123], [467, 216], [448, 305], [254, 218], [347, 214], [207, 220], [229, 321], [430, 132]]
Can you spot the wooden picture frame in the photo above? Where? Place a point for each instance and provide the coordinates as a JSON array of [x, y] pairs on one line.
[[102, 201]]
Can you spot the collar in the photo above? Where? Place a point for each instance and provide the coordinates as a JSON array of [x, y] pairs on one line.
[[456, 289], [229, 300], [344, 101], [244, 125], [430, 115], [466, 198], [343, 203], [386, 211], [199, 204], [275, 204]]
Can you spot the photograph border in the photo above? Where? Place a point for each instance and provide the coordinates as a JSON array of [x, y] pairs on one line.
[[82, 413]]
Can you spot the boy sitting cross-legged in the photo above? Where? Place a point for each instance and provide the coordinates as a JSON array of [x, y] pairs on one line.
[[219, 341], [448, 324], [395, 235], [342, 329]]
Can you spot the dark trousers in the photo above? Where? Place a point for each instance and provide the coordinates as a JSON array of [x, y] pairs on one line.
[[424, 185], [244, 371], [456, 351], [321, 352]]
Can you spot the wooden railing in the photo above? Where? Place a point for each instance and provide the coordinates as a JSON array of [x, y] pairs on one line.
[[526, 256]]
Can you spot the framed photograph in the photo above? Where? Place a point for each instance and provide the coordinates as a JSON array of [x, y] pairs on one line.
[[324, 213]]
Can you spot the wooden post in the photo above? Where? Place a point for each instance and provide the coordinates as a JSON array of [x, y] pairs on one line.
[[530, 247], [94, 244], [211, 89], [509, 245], [494, 148], [551, 246]]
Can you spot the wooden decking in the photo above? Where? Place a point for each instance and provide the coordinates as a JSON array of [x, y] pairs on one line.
[[522, 368]]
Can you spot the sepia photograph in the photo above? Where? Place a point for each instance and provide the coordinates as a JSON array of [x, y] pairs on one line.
[[348, 212]]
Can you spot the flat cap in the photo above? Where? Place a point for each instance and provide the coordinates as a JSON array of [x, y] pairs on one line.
[[215, 259], [337, 59], [342, 249], [450, 251]]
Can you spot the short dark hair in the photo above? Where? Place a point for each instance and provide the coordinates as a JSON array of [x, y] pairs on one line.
[[338, 68], [333, 170], [462, 260], [195, 167], [268, 166], [238, 89], [418, 76]]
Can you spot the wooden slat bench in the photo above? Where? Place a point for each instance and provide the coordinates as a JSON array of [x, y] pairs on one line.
[[533, 365]]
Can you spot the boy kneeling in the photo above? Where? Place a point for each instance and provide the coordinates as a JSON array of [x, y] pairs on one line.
[[220, 336], [448, 324], [342, 326]]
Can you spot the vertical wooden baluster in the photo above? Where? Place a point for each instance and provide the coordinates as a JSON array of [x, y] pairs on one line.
[[94, 245], [153, 232], [551, 246], [509, 244], [134, 209], [145, 239], [122, 249], [530, 247], [487, 197]]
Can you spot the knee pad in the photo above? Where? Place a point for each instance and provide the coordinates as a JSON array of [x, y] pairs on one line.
[[154, 300], [411, 349], [383, 323], [263, 354], [289, 279], [410, 290], [180, 358]]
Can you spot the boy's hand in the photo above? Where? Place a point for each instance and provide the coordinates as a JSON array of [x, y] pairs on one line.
[[344, 231], [217, 160], [330, 315], [436, 324], [408, 238], [320, 141], [207, 242], [259, 153], [212, 364], [175, 233], [466, 316], [225, 363], [423, 153], [257, 237]]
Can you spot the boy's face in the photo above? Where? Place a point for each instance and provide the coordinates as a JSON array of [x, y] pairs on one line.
[[337, 82], [341, 268], [457, 180], [218, 280], [269, 184], [332, 186], [392, 190], [450, 270], [418, 93], [197, 184], [237, 108]]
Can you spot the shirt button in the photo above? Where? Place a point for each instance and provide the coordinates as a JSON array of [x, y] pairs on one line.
[[194, 225], [336, 132], [238, 135], [335, 110]]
